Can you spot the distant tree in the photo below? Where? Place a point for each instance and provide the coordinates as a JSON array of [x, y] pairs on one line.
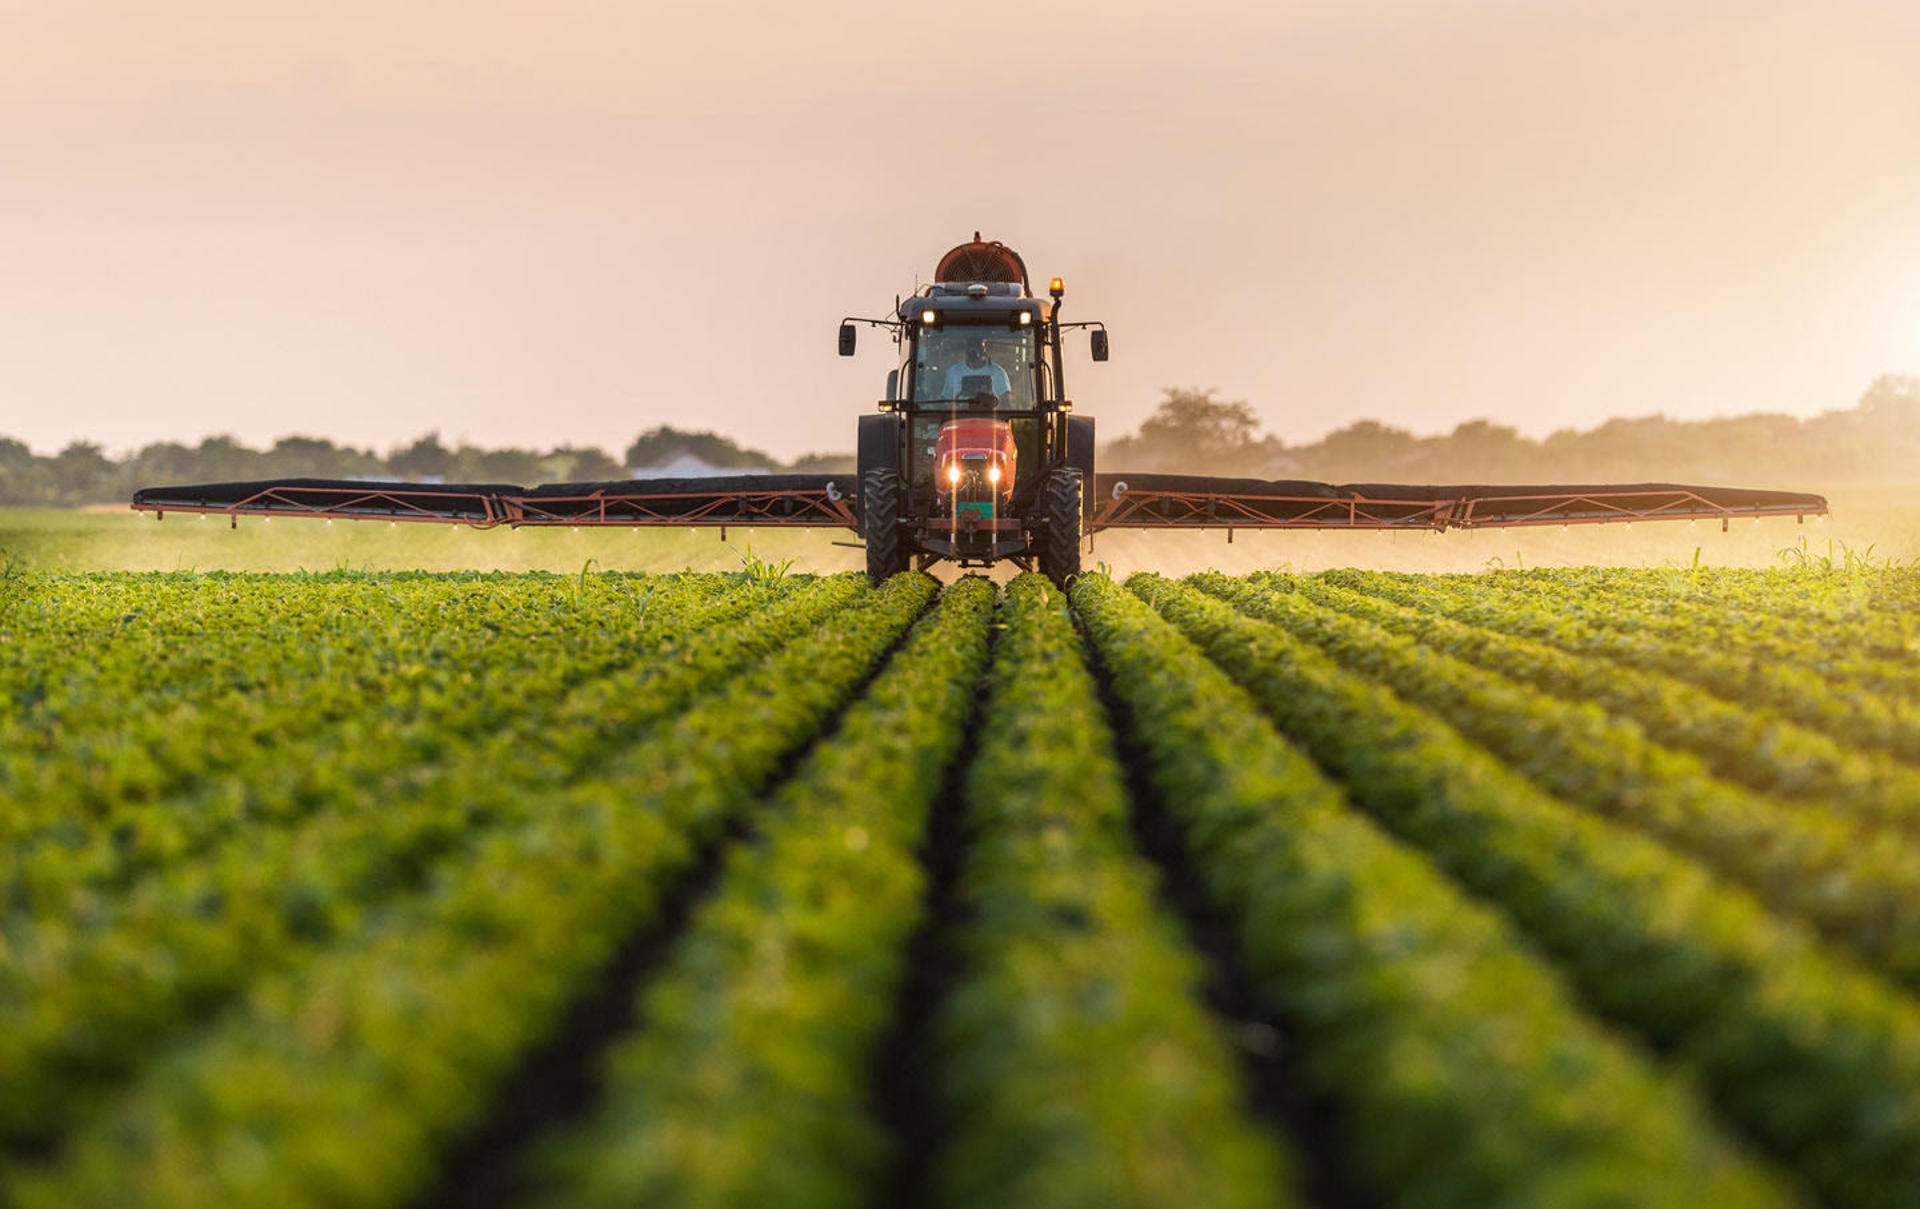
[[1624, 449], [23, 477], [426, 458], [1483, 449], [1364, 450], [1729, 447], [568, 464], [164, 463], [661, 445], [518, 466], [824, 463], [1201, 426], [316, 457], [82, 473], [1369, 438], [224, 459], [1879, 439], [1893, 400], [1192, 432]]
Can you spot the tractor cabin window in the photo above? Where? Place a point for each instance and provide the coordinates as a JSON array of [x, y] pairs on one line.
[[982, 367]]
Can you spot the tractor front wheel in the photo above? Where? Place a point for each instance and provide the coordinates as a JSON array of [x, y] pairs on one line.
[[883, 506], [1059, 505]]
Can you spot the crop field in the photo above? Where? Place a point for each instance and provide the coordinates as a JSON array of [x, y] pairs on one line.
[[1556, 888]]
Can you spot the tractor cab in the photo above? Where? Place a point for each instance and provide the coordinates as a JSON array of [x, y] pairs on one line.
[[974, 371]]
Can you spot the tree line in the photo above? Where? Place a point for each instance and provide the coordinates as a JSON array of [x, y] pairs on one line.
[[83, 473], [1192, 431], [1876, 441]]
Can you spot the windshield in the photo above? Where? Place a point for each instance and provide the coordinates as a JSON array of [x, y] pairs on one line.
[[969, 363]]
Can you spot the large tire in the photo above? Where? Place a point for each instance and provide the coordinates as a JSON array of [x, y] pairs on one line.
[[1059, 506], [883, 506]]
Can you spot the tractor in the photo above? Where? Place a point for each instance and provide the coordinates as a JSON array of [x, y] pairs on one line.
[[976, 456]]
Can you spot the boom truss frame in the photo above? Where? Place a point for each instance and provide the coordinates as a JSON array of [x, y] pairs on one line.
[[1183, 509], [813, 509], [1151, 506]]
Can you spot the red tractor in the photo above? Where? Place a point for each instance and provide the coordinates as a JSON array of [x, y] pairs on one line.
[[976, 457]]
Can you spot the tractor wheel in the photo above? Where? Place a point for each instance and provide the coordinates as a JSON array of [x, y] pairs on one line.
[[1059, 507], [883, 505]]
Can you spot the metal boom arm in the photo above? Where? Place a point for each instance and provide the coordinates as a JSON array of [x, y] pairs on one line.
[[761, 499], [1143, 501], [1167, 501]]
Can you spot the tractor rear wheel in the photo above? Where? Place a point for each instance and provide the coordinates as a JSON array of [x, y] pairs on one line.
[[883, 506], [1059, 506]]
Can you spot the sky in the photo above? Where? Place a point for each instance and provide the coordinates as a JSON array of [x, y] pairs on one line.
[[564, 222]]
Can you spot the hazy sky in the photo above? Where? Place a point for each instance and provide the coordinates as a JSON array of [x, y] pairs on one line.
[[565, 221]]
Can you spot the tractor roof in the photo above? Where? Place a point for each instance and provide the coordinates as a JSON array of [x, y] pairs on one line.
[[954, 304]]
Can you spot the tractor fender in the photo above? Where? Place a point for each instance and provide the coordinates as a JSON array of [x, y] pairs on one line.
[[1080, 457], [879, 449]]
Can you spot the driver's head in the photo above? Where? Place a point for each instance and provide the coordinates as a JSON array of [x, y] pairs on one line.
[[977, 351]]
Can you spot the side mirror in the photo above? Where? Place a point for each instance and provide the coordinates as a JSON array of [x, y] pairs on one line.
[[1099, 343], [893, 385], [846, 340]]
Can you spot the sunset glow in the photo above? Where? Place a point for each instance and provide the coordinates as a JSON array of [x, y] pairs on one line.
[[534, 224]]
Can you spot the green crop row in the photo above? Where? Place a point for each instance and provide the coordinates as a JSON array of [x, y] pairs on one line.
[[1079, 1067], [1643, 607], [280, 785], [149, 708], [90, 823], [1753, 748], [1777, 607], [338, 1083], [1858, 884], [96, 982], [1459, 1071], [1875, 605], [167, 701], [1854, 717], [181, 646], [1813, 1057], [758, 1038]]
